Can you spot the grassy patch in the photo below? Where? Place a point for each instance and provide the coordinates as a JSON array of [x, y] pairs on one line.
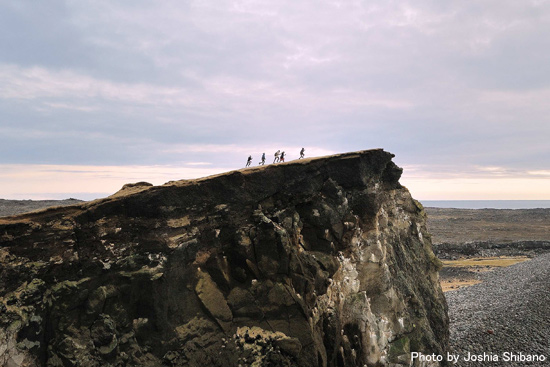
[[485, 261], [474, 265]]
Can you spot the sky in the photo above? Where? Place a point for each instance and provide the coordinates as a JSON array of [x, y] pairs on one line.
[[96, 94]]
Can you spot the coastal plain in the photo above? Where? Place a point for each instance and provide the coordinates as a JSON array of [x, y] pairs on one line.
[[495, 278], [473, 241]]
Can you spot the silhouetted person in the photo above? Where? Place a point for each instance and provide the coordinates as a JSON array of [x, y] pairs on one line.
[[263, 160], [276, 156], [302, 153], [249, 161], [282, 159]]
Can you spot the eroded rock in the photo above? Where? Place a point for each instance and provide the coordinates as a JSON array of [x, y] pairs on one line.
[[318, 262]]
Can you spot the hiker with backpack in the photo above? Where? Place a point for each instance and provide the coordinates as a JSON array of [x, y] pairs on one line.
[[276, 156]]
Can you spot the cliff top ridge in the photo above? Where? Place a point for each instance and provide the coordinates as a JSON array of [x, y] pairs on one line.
[[342, 164]]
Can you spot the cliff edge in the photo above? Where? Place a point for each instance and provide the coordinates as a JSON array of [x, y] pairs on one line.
[[317, 262]]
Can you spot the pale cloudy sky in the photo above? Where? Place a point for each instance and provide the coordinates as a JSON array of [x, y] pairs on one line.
[[95, 94]]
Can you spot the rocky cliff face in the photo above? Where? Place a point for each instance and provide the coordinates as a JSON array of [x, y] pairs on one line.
[[318, 262]]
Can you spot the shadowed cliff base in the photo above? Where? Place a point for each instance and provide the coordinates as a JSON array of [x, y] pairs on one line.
[[318, 262]]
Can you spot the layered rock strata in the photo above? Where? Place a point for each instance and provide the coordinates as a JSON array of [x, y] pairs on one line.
[[317, 262]]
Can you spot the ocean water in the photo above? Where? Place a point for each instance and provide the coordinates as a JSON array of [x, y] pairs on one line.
[[487, 204]]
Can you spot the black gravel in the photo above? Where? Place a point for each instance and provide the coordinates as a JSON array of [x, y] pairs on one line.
[[509, 312]]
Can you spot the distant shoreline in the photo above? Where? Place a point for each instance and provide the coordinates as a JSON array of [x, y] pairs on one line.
[[487, 204], [13, 207]]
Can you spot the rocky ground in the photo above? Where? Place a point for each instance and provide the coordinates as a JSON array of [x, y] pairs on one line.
[[507, 312], [459, 226], [484, 238]]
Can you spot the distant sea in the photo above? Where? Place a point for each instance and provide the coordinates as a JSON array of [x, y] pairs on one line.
[[487, 204]]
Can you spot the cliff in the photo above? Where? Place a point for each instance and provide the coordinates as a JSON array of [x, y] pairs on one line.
[[317, 262]]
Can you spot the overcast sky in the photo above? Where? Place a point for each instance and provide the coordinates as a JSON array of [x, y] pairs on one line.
[[95, 94]]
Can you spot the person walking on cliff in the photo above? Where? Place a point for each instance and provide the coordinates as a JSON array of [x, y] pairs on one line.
[[302, 153], [263, 160], [282, 159], [249, 161], [276, 156]]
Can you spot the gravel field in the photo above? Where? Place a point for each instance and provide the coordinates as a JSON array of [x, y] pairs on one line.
[[508, 312], [460, 226]]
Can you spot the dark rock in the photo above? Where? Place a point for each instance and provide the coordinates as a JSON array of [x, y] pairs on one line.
[[318, 262], [291, 346]]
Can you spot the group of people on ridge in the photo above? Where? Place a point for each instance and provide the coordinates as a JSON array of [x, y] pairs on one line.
[[279, 157]]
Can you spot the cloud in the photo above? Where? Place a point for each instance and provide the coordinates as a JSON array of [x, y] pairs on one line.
[[540, 173], [37, 82], [233, 148], [478, 188], [461, 87], [87, 182], [445, 172], [216, 93]]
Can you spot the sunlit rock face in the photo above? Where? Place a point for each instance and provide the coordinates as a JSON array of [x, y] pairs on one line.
[[317, 262]]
